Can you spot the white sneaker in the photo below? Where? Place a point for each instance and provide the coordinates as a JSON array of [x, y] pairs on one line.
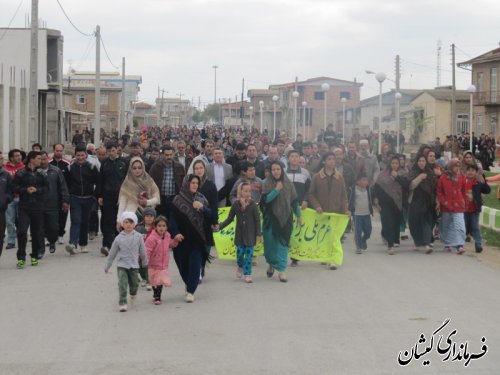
[[123, 308], [84, 249], [133, 299], [60, 241], [332, 266], [70, 248], [189, 298]]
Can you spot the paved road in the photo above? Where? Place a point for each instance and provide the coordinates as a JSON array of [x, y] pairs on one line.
[[62, 318]]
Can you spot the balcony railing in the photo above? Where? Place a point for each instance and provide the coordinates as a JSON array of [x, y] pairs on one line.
[[487, 98]]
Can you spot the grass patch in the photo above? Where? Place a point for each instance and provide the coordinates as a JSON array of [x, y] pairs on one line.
[[490, 200], [491, 237]]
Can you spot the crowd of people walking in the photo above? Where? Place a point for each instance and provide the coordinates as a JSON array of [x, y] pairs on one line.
[[160, 190]]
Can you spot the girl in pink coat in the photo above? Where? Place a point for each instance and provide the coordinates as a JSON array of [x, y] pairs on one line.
[[158, 247]]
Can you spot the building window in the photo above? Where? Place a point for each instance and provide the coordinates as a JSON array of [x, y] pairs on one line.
[[462, 122], [319, 95], [345, 94], [104, 99], [80, 99], [493, 124], [480, 87], [493, 85], [479, 125]]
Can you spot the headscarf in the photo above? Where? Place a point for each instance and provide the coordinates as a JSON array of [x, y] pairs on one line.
[[204, 177], [282, 204], [449, 170], [390, 186], [428, 184], [184, 204], [133, 186]]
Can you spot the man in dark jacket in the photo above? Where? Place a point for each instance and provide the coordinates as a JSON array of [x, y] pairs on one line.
[[168, 175], [31, 184], [56, 200], [60, 162], [6, 196], [83, 176], [111, 176]]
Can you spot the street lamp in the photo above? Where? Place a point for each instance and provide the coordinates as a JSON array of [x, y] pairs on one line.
[[304, 105], [261, 107], [275, 99], [398, 100], [380, 77], [325, 87], [251, 117], [471, 89], [295, 95], [215, 67], [343, 100]]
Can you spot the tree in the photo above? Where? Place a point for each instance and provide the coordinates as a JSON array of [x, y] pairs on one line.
[[197, 116], [211, 112]]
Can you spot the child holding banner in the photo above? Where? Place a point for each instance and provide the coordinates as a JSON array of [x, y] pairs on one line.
[[247, 229]]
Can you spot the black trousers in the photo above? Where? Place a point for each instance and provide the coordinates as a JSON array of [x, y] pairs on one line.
[[51, 225], [33, 219], [157, 292], [63, 218], [188, 262], [94, 218], [109, 210]]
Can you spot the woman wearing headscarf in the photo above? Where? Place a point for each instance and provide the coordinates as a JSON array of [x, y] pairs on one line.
[[451, 196], [209, 191], [138, 190], [187, 226], [388, 196], [422, 185], [469, 159], [279, 201]]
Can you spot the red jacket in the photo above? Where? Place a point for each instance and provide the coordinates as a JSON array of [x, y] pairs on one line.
[[12, 169], [157, 250], [451, 195]]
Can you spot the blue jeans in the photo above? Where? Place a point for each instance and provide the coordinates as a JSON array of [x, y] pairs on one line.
[[472, 226], [244, 255], [11, 216], [80, 212], [362, 230]]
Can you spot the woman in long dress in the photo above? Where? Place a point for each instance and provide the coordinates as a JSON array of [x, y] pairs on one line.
[[422, 201], [187, 226], [388, 196], [279, 201], [138, 190], [451, 195]]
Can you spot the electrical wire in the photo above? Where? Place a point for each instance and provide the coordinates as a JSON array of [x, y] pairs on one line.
[[71, 22], [12, 19], [106, 52], [86, 53]]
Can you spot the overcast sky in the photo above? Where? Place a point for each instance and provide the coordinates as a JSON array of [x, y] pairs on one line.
[[174, 43]]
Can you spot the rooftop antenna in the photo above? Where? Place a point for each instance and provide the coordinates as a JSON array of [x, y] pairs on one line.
[[438, 77]]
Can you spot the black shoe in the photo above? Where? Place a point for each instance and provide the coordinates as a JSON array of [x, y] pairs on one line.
[[270, 272], [294, 263], [467, 239], [10, 246], [52, 248], [479, 248]]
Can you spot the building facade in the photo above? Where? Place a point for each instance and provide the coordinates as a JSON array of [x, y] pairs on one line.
[[486, 100], [49, 126]]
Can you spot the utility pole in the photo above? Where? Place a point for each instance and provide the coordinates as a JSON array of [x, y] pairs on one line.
[[97, 111], [215, 83], [161, 107], [242, 108], [158, 104], [33, 102], [122, 109], [398, 72], [453, 128]]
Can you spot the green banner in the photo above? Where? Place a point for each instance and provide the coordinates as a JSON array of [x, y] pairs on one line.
[[317, 239]]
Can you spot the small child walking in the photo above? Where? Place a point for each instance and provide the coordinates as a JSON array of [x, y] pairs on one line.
[[129, 244], [360, 205], [158, 247], [146, 228], [248, 229]]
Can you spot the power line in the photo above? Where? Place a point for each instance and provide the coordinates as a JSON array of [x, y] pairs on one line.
[[71, 22], [12, 19], [86, 53], [106, 52], [461, 50]]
